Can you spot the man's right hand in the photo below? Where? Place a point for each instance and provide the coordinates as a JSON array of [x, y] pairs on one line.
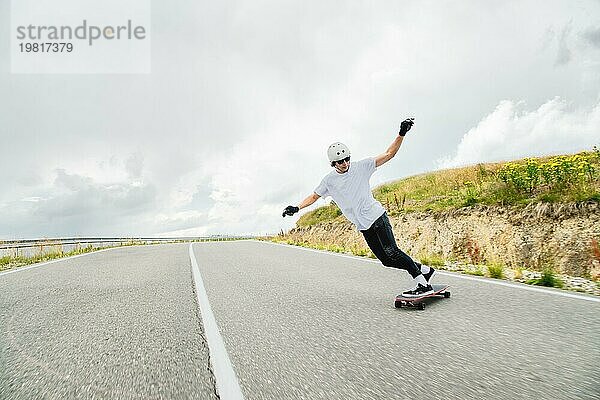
[[290, 210]]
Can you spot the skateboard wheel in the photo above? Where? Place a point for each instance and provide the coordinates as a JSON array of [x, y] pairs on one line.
[[446, 294], [398, 304], [421, 306]]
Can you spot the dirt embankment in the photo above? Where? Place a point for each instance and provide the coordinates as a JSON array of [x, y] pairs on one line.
[[564, 237]]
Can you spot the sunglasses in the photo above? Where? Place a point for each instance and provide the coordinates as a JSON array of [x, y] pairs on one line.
[[343, 160]]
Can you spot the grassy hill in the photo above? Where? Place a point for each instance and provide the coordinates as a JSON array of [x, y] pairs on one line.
[[564, 178]]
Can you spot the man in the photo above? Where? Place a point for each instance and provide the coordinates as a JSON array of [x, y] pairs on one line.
[[349, 187]]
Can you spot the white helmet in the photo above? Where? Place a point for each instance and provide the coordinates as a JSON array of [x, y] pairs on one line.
[[338, 151]]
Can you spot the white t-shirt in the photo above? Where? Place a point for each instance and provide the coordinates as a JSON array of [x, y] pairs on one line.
[[351, 191]]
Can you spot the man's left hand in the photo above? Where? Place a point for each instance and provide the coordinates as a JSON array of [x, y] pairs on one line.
[[406, 125]]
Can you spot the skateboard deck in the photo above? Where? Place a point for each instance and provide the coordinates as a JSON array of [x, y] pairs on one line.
[[438, 291]]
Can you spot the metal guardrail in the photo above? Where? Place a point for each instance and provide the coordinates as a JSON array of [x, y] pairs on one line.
[[28, 243]]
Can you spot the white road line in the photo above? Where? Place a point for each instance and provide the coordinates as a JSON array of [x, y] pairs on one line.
[[228, 386], [19, 269], [460, 276]]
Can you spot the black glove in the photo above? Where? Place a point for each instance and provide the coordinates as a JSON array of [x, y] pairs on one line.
[[406, 125], [290, 210]]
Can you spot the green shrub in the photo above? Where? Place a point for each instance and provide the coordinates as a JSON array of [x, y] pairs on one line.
[[548, 279], [476, 271], [361, 251], [574, 176], [496, 271]]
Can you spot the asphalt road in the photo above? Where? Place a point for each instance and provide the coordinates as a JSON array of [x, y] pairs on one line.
[[297, 324], [307, 325], [118, 324]]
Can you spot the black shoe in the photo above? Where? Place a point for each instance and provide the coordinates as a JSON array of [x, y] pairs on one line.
[[419, 291], [429, 275]]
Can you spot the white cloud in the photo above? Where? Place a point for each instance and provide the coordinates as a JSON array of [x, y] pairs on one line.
[[82, 205], [510, 132], [244, 98]]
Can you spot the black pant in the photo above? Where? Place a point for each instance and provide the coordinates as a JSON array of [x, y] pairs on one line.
[[382, 243]]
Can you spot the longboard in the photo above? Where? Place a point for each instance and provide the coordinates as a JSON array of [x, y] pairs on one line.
[[438, 291]]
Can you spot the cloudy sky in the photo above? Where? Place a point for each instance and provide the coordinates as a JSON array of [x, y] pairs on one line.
[[233, 122]]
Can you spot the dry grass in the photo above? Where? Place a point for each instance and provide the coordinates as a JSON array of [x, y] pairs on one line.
[[477, 184]]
